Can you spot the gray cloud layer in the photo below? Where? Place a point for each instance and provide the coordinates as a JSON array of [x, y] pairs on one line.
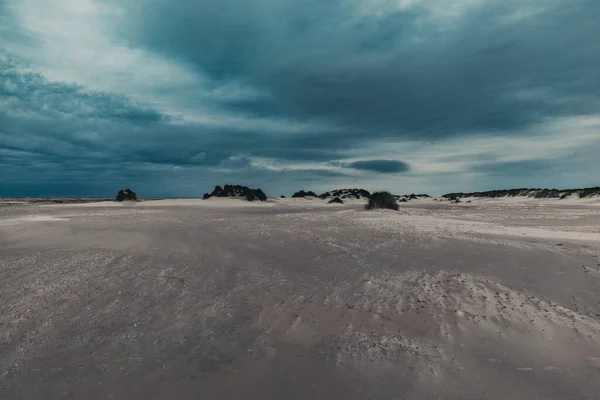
[[318, 84]]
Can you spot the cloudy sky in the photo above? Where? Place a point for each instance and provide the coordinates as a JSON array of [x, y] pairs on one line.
[[171, 97]]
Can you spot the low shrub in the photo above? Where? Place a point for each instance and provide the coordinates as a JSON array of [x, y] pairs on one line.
[[126, 195], [382, 200], [303, 193]]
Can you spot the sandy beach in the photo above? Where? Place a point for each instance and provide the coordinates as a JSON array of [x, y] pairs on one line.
[[298, 299]]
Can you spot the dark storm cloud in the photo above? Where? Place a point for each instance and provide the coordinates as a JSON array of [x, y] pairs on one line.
[[383, 166], [492, 69], [59, 140], [111, 143], [64, 120]]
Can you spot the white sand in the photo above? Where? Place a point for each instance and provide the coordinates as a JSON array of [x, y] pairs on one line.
[[31, 218], [478, 219], [440, 226], [85, 205], [529, 201], [212, 202]]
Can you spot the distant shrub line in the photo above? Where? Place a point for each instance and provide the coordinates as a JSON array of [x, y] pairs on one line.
[[382, 199], [534, 193]]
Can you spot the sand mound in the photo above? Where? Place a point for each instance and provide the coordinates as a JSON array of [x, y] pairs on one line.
[[433, 322]]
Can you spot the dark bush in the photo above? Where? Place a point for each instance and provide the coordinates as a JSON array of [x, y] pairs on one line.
[[260, 195], [282, 196], [206, 196], [302, 193], [588, 192], [346, 194], [237, 191], [336, 200], [384, 200], [126, 195], [218, 192]]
